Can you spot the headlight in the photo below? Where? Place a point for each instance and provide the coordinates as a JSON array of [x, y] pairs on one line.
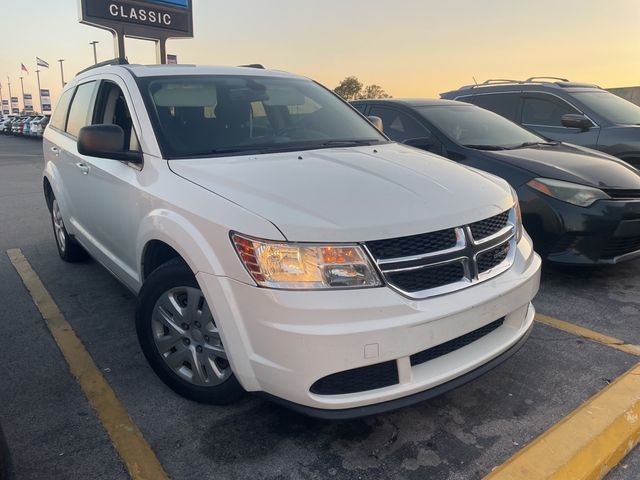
[[518, 215], [302, 266], [573, 193]]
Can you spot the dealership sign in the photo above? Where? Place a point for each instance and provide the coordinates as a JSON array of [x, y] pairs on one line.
[[45, 100], [28, 102], [5, 107], [15, 108], [147, 19]]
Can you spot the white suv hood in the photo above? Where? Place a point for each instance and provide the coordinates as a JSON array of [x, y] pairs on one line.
[[351, 194]]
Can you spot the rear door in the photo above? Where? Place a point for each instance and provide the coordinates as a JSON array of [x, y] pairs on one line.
[[542, 113]]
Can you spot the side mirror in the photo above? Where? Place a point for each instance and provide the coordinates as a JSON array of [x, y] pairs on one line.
[[377, 122], [105, 141], [575, 120]]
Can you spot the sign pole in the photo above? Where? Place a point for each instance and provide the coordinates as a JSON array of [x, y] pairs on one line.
[[61, 71], [10, 95], [118, 44], [39, 91], [161, 51]]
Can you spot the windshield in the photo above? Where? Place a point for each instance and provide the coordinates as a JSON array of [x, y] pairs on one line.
[[610, 106], [478, 128], [199, 116]]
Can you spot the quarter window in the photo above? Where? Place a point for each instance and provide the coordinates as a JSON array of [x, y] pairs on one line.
[[59, 118], [81, 108], [398, 125], [546, 112]]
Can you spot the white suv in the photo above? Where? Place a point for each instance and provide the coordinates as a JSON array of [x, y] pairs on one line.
[[279, 243]]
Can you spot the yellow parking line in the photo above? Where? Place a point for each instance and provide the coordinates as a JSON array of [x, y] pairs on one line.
[[590, 334], [127, 439], [586, 444]]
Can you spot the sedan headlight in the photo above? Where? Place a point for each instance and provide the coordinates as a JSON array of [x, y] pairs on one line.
[[300, 266], [573, 193]]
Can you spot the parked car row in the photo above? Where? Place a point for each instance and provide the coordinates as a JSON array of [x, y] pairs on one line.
[[26, 126], [280, 243]]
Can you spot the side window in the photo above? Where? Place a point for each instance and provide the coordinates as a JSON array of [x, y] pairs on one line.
[[81, 108], [361, 107], [112, 109], [59, 118], [544, 111], [505, 104], [398, 125]]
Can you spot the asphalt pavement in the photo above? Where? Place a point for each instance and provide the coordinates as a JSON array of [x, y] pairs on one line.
[[54, 433]]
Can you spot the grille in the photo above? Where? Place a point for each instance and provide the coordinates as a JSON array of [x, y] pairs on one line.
[[566, 242], [621, 193], [413, 245], [490, 226], [446, 260], [621, 246], [358, 379], [455, 344], [492, 258], [426, 278]]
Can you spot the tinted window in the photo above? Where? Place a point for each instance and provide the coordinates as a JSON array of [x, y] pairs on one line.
[[505, 104], [81, 108], [361, 107], [474, 127], [398, 125], [112, 109], [542, 111], [59, 118], [224, 115], [610, 106]]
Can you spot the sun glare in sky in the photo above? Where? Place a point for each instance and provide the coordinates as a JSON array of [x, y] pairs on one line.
[[411, 48]]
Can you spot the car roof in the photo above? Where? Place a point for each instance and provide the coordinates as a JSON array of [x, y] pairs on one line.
[[413, 102], [143, 71], [533, 83]]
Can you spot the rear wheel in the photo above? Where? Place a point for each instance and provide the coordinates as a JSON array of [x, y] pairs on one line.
[[68, 249], [180, 337]]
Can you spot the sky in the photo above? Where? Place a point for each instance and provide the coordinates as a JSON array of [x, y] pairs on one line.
[[412, 48]]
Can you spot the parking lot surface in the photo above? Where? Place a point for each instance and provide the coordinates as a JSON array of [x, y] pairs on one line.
[[54, 433]]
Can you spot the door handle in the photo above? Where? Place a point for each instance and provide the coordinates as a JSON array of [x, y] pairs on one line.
[[84, 168]]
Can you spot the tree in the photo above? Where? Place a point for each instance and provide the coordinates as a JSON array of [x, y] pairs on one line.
[[353, 89], [349, 88], [373, 91]]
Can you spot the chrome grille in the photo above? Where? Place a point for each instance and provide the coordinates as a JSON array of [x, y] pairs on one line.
[[429, 264]]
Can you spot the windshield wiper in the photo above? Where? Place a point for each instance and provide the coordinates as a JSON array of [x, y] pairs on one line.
[[533, 144], [485, 147], [348, 143]]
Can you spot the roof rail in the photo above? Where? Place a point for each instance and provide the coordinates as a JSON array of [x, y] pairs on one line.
[[253, 65], [113, 61], [492, 81], [533, 79]]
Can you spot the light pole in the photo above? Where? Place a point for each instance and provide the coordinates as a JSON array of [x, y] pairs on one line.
[[39, 91], [10, 99], [95, 53], [61, 71]]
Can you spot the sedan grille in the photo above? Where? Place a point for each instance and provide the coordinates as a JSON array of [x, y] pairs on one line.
[[421, 266], [621, 246]]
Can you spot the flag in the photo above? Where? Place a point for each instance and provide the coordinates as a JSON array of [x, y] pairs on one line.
[[41, 63], [24, 69]]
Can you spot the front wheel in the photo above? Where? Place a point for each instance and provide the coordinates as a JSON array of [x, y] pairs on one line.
[[180, 337], [68, 249]]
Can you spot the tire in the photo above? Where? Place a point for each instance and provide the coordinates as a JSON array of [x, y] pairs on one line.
[[68, 249], [180, 339]]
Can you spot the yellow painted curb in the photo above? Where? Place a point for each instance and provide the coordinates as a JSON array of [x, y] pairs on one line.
[[587, 443], [589, 334], [127, 439]]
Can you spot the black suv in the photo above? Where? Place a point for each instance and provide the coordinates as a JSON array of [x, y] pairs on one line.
[[570, 112]]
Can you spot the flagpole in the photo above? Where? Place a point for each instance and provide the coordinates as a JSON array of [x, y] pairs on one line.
[[24, 107], [39, 91]]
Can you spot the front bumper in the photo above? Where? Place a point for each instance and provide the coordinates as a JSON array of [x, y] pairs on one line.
[[282, 342], [607, 232]]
